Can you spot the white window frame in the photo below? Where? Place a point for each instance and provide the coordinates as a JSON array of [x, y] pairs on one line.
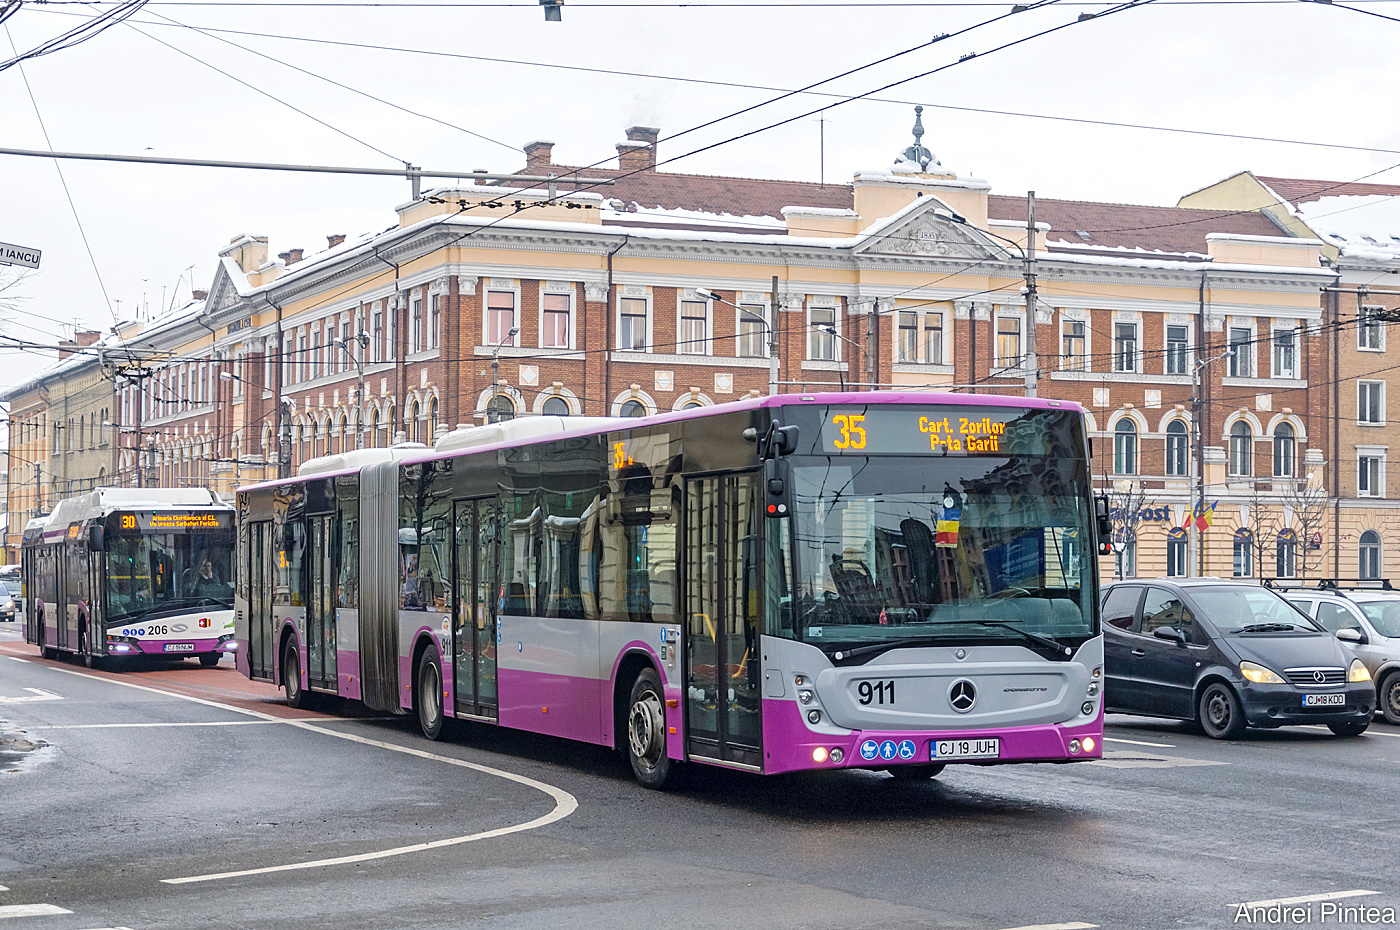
[[942, 337], [415, 323], [1376, 454], [1188, 356], [435, 320], [377, 335], [1135, 359], [684, 346], [1080, 361], [911, 357], [1176, 558], [1294, 333], [1362, 546], [744, 317], [813, 332], [1185, 441], [486, 334], [1240, 456], [1378, 419], [1001, 362], [1370, 333], [568, 296], [648, 342], [1237, 368]]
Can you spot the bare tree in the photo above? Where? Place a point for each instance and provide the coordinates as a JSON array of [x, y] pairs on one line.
[[1126, 502], [1305, 513], [1261, 521]]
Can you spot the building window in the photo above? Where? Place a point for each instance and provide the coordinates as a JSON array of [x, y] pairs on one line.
[[555, 407], [434, 322], [415, 325], [822, 323], [632, 324], [1241, 352], [933, 338], [500, 316], [1370, 476], [1370, 555], [1370, 331], [1285, 353], [1241, 449], [1125, 448], [632, 408], [1285, 446], [1125, 347], [1072, 346], [500, 409], [1243, 554], [753, 330], [1125, 556], [694, 330], [377, 337], [554, 323], [1178, 350], [1176, 448], [1286, 554], [1008, 342], [1176, 558], [1370, 402], [906, 346]]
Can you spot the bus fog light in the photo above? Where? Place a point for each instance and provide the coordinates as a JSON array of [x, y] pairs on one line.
[[814, 716], [1074, 745], [805, 696], [1098, 672], [1087, 708], [819, 754], [837, 755], [1088, 744], [799, 680]]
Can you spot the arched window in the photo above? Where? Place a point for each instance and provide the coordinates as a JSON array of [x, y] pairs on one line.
[[1284, 449], [692, 405], [1244, 553], [555, 407], [1176, 553], [500, 409], [1125, 556], [1124, 448], [1287, 554], [374, 429], [632, 408], [432, 418], [322, 439], [345, 438], [1241, 449], [1370, 555], [412, 424], [1176, 448]]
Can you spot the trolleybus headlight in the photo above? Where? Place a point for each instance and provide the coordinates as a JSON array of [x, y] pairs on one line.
[[1087, 708], [837, 755], [805, 696], [814, 716], [819, 754], [1088, 744], [1074, 745], [1358, 671]]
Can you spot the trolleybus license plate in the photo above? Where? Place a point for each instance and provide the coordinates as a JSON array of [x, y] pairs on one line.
[[179, 647], [965, 749], [1324, 700]]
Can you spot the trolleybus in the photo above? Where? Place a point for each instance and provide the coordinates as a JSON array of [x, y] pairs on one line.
[[880, 580], [131, 572]]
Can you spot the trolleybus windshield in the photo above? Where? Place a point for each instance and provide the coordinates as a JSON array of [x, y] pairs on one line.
[[930, 546], [158, 574]]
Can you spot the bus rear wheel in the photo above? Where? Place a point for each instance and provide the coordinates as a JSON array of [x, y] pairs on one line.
[[429, 695], [209, 659], [291, 676], [646, 731]]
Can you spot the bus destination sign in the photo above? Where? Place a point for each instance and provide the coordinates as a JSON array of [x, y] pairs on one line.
[[940, 430], [146, 521]]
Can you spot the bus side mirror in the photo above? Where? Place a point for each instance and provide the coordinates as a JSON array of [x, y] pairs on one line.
[[97, 539], [775, 488], [1105, 524]]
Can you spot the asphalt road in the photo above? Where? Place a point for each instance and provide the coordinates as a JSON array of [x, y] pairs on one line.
[[172, 796]]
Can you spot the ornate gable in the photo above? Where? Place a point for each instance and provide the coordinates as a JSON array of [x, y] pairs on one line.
[[924, 233]]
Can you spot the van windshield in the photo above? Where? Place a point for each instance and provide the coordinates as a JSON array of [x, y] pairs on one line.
[[1249, 609]]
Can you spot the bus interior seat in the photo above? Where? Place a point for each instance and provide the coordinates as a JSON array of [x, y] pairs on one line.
[[856, 588]]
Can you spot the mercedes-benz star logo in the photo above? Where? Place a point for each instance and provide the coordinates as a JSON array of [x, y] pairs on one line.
[[1319, 676], [962, 695]]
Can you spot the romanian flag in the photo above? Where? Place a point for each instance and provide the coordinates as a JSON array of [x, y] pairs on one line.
[[1201, 516], [948, 520]]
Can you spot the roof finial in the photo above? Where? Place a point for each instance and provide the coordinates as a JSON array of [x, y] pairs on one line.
[[916, 157]]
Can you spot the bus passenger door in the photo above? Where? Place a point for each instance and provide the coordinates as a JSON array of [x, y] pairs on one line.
[[260, 635], [320, 612], [722, 604], [474, 607]]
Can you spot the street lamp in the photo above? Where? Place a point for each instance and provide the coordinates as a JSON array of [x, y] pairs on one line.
[[492, 413], [708, 294], [363, 339]]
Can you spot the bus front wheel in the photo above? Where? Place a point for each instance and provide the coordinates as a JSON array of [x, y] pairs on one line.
[[209, 659], [291, 676], [429, 696], [646, 731]]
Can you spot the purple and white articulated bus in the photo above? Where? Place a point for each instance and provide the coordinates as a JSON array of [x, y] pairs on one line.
[[890, 581], [131, 572]]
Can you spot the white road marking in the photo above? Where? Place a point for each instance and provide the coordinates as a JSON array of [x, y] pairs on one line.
[[1304, 899], [1075, 925], [37, 694], [1369, 731], [3, 888], [18, 659], [122, 726], [1128, 759], [31, 910], [1138, 742], [564, 803]]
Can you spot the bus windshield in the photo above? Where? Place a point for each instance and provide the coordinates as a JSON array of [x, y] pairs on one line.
[[964, 549], [161, 574]]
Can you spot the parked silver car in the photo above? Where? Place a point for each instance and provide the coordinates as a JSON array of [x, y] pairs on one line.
[[1367, 622]]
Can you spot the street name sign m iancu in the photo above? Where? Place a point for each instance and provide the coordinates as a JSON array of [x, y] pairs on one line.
[[19, 255]]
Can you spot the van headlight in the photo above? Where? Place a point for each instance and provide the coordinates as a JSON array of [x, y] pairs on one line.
[[1358, 671], [1259, 674]]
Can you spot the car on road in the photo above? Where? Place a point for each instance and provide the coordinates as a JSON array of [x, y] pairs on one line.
[[1227, 655], [9, 600], [1368, 624]]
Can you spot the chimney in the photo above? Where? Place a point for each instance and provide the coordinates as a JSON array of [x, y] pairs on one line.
[[335, 240], [291, 256], [638, 153], [200, 295], [65, 348], [88, 337], [538, 154]]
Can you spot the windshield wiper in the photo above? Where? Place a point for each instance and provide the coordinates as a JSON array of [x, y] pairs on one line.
[[844, 654], [1268, 628], [1045, 641]]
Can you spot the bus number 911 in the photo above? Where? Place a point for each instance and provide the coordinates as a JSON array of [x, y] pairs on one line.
[[875, 692]]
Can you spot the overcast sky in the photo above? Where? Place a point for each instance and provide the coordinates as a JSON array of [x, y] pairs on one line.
[[1296, 71]]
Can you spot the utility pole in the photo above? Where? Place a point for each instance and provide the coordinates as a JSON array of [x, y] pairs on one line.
[[773, 339], [1033, 370]]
